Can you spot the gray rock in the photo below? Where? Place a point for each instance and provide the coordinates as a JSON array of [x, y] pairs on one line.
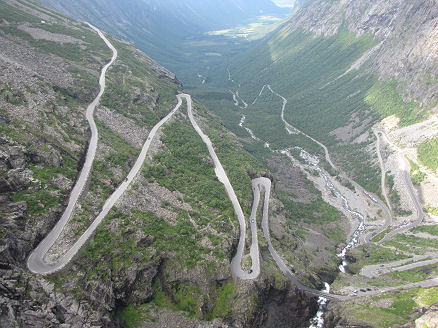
[[17, 159], [16, 180]]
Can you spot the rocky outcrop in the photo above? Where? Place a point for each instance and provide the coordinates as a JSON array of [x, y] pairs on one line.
[[428, 319], [27, 301], [283, 304], [16, 180], [412, 61]]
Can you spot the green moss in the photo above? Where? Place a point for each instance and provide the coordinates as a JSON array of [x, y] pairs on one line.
[[316, 212], [179, 297], [38, 202], [380, 236], [427, 297], [373, 254], [415, 241], [223, 302], [432, 210], [401, 308], [415, 275], [187, 168], [131, 317]]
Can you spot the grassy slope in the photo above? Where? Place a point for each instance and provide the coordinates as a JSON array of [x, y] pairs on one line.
[[307, 70], [428, 153], [397, 309], [183, 165]]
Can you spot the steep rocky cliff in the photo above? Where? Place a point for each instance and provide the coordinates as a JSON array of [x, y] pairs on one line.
[[405, 31]]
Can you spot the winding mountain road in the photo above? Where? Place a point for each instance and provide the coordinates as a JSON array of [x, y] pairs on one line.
[[37, 264], [410, 187], [292, 130], [35, 261], [386, 209], [375, 270], [388, 219], [382, 168], [222, 176]]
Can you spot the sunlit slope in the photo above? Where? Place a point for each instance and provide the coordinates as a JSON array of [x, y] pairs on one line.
[[172, 32], [305, 69], [324, 94]]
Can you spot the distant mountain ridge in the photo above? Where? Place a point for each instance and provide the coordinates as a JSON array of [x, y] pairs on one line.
[[405, 31], [171, 32], [184, 16]]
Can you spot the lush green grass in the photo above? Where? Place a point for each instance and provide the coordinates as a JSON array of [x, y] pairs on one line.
[[179, 297], [188, 298], [428, 296], [38, 202], [431, 229], [414, 241], [336, 234], [415, 275], [307, 69], [299, 66], [186, 168], [432, 210], [316, 212], [183, 297], [222, 305], [131, 316], [428, 153], [134, 89]]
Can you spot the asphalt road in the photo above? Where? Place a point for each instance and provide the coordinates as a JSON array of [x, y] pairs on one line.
[[35, 261], [375, 270], [291, 129], [222, 176], [412, 195]]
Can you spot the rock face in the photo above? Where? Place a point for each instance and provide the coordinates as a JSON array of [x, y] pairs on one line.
[[429, 319], [413, 62], [280, 303]]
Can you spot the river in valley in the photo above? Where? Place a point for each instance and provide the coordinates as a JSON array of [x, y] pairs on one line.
[[318, 320]]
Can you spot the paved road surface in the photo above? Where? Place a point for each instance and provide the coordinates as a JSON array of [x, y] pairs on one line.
[[375, 270], [382, 168], [412, 195], [222, 176], [35, 261], [291, 129]]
